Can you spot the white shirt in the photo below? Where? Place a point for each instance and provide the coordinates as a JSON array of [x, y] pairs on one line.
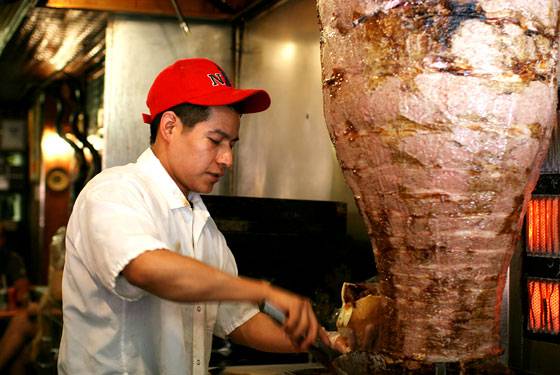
[[113, 327]]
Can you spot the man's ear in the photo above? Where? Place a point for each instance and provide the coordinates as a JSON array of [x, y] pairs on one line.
[[169, 122]]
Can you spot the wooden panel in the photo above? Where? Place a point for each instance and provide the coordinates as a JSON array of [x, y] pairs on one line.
[[189, 8]]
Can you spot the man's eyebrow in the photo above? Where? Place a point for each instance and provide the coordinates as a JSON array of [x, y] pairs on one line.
[[224, 134]]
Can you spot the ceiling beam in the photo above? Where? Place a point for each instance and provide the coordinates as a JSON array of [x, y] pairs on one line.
[[202, 9]]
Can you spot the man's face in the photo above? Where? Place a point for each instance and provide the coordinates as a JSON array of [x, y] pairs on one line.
[[198, 156]]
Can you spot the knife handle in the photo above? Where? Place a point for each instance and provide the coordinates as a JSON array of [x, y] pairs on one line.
[[274, 312]]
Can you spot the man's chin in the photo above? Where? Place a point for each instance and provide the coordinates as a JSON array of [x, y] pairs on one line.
[[203, 189]]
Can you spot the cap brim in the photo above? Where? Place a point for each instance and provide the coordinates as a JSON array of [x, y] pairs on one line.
[[245, 101], [147, 118]]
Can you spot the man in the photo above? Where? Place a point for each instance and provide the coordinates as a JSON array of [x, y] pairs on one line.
[[148, 277]]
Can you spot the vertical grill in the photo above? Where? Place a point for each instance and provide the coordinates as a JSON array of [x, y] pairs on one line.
[[542, 263], [535, 348]]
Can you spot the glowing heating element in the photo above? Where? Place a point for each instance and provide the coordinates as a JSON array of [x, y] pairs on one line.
[[543, 237], [544, 306]]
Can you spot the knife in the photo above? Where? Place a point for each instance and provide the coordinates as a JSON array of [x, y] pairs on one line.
[[318, 350]]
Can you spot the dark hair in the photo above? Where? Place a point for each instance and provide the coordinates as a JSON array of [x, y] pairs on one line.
[[190, 115]]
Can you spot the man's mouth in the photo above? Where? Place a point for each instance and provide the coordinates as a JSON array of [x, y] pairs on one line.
[[217, 176]]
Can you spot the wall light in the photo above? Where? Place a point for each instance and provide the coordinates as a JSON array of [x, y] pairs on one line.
[[288, 51], [54, 148]]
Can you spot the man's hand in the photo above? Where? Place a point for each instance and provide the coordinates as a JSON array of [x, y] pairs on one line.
[[301, 324]]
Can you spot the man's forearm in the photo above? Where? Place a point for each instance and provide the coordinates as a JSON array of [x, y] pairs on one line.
[[179, 278]]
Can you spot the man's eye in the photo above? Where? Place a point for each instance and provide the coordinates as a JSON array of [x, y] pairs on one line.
[[214, 141]]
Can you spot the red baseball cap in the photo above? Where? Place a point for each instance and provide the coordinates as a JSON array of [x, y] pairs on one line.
[[202, 82]]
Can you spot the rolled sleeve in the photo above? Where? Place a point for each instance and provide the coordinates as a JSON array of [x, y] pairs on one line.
[[231, 315], [119, 229]]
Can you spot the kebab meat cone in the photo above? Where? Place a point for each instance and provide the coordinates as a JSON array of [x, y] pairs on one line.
[[441, 114]]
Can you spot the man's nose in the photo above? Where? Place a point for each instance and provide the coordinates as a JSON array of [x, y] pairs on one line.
[[225, 157]]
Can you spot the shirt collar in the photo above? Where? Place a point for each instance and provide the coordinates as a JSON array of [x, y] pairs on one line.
[[152, 167]]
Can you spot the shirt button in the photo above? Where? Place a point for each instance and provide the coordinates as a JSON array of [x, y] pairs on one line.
[[198, 362], [198, 308]]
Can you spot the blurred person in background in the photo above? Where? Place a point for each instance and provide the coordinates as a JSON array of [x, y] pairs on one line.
[[22, 326], [13, 274], [30, 342]]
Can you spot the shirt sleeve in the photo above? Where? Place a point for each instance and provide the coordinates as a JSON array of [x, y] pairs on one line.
[[232, 315], [116, 228]]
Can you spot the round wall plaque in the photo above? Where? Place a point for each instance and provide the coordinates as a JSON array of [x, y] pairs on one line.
[[58, 179]]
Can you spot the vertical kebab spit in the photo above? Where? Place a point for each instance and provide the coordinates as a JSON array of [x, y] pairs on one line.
[[441, 114]]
